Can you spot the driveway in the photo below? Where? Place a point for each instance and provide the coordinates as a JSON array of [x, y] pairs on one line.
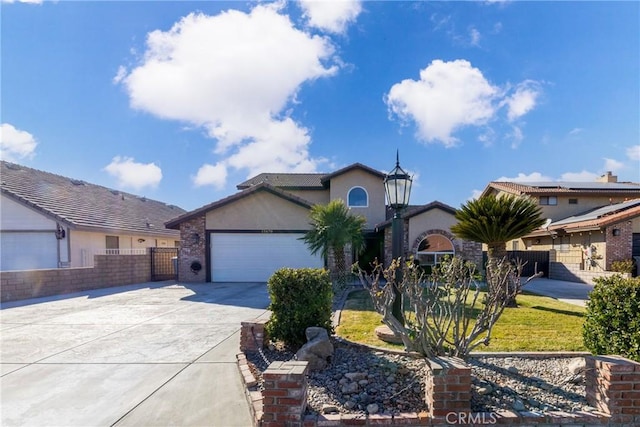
[[569, 292], [154, 354]]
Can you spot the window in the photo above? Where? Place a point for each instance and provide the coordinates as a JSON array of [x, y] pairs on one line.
[[358, 198], [433, 248], [112, 245], [573, 201], [112, 242], [548, 200]]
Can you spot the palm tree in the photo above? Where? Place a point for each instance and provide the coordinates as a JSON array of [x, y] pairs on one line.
[[495, 221], [333, 227]]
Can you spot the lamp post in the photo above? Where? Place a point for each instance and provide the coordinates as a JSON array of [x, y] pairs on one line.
[[397, 185]]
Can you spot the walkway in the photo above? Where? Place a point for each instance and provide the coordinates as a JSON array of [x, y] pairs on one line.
[[154, 354]]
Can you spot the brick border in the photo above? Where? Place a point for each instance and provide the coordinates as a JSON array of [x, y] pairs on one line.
[[613, 387]]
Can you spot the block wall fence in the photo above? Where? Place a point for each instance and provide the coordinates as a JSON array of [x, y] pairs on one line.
[[108, 270], [612, 384]]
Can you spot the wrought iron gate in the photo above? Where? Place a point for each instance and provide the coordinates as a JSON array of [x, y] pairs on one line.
[[163, 264]]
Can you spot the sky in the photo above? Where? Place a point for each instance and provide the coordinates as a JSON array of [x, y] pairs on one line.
[[181, 101]]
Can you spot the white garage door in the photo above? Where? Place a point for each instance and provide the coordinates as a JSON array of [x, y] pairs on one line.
[[251, 257], [28, 251]]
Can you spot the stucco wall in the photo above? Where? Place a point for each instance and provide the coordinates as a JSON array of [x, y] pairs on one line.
[[259, 211], [376, 211]]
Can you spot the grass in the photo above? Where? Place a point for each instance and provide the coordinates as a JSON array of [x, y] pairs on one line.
[[537, 324]]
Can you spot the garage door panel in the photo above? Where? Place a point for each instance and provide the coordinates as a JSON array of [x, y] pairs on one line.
[[253, 257]]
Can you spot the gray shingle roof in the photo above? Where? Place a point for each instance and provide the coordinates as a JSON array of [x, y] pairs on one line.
[[83, 205], [566, 188], [286, 180], [303, 181]]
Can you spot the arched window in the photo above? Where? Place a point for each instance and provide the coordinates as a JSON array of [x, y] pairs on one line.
[[358, 198], [433, 248]]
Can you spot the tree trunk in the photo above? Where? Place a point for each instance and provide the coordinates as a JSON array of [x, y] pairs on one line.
[[495, 253]]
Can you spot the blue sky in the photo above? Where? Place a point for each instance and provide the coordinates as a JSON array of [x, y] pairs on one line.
[[181, 101]]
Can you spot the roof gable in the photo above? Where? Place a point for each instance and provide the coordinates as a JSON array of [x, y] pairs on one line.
[[412, 211], [263, 186], [80, 204], [360, 166]]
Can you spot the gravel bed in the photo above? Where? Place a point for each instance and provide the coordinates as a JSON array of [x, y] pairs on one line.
[[367, 381]]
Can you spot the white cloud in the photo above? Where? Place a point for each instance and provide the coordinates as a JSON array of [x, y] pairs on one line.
[[475, 194], [474, 36], [633, 152], [234, 74], [448, 96], [532, 177], [16, 144], [132, 174], [331, 15], [575, 131], [523, 100], [612, 165], [23, 1], [214, 175], [452, 95], [583, 176]]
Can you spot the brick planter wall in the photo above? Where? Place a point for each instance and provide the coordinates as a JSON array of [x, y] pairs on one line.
[[613, 387], [448, 386], [252, 335]]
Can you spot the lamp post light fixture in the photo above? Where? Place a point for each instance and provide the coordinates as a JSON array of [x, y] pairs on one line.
[[397, 185]]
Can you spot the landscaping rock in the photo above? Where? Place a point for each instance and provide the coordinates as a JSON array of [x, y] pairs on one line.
[[317, 350]]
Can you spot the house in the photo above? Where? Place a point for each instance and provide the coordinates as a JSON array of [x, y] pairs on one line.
[[589, 225], [51, 221], [252, 233]]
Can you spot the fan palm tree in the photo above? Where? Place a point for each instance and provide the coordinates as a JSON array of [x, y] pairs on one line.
[[496, 220], [333, 227]]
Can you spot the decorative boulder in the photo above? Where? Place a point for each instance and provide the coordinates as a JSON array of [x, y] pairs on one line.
[[317, 350]]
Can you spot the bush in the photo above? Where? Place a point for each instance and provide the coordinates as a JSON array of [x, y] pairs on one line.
[[300, 298], [612, 324], [625, 266]]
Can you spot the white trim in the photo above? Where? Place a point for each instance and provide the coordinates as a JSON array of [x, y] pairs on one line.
[[366, 205]]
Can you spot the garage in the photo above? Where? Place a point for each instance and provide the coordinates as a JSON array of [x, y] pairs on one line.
[[254, 257], [28, 250]]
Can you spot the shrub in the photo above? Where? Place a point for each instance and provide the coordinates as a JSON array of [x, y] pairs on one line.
[[300, 298], [612, 324], [624, 266]]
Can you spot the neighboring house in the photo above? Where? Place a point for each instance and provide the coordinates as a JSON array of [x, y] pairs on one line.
[[589, 224], [250, 234], [50, 221]]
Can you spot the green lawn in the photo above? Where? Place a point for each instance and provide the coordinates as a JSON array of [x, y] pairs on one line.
[[537, 324]]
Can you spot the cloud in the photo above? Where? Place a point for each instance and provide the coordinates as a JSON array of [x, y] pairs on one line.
[[448, 96], [575, 131], [234, 74], [22, 1], [583, 176], [453, 95], [214, 175], [132, 174], [333, 16], [612, 165], [16, 144], [474, 36], [523, 100], [532, 177], [633, 152]]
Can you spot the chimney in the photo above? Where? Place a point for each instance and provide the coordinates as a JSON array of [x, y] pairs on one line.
[[608, 177]]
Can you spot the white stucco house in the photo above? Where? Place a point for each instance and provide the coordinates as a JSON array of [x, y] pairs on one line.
[[51, 221]]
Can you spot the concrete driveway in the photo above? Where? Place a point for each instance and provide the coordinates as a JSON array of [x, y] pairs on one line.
[[569, 292], [154, 354]]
